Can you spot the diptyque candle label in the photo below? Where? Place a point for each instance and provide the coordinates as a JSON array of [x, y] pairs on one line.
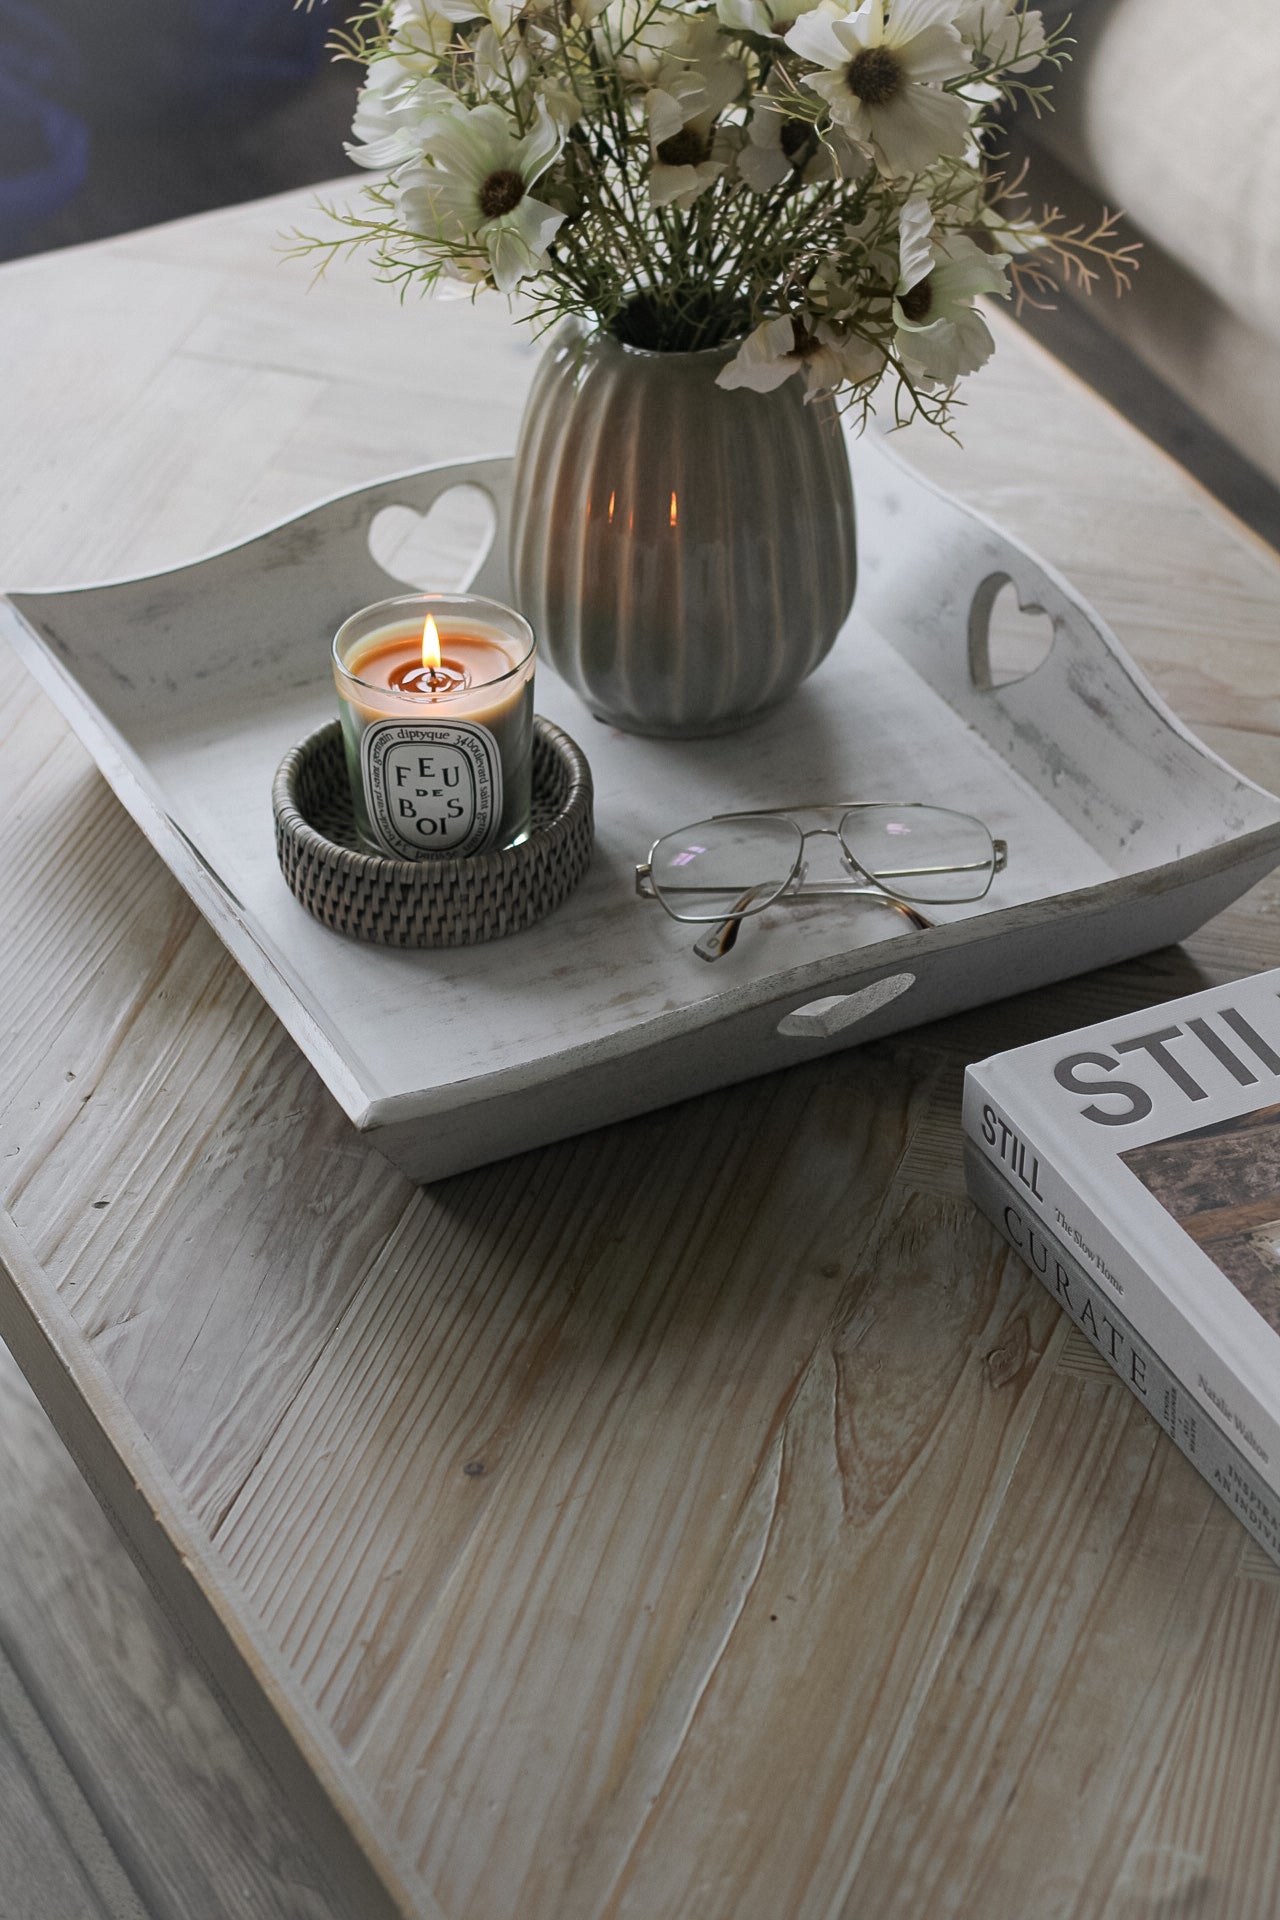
[[432, 788]]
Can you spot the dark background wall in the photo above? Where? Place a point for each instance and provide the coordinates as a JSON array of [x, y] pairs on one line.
[[119, 113]]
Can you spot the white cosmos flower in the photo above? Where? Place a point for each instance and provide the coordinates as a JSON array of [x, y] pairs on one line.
[[766, 17], [501, 63], [778, 146], [692, 83], [563, 107], [636, 37], [504, 62], [477, 189], [688, 162], [881, 78], [398, 97], [501, 14], [419, 27], [999, 30], [683, 56], [689, 84], [669, 107], [828, 355], [940, 334], [509, 44]]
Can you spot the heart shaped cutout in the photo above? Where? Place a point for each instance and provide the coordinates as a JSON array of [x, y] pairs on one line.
[[441, 550], [823, 1019], [1007, 639]]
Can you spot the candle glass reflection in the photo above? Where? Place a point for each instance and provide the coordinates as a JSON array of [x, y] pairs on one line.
[[436, 696]]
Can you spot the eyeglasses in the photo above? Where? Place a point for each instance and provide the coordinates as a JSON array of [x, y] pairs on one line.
[[724, 869]]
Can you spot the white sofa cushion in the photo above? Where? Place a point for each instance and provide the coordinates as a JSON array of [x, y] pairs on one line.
[[1171, 110]]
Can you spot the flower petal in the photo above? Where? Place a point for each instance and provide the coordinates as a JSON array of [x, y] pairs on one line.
[[517, 243], [534, 154], [918, 128], [948, 349], [847, 110], [814, 38], [423, 212], [462, 143], [680, 186], [915, 255], [762, 377], [668, 184], [765, 359], [763, 168], [962, 270], [936, 54], [666, 115], [744, 16], [913, 17]]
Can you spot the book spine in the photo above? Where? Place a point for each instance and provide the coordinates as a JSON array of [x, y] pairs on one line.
[[1221, 1462], [1019, 1156]]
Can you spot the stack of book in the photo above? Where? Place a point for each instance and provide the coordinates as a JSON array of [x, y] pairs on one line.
[[1135, 1166]]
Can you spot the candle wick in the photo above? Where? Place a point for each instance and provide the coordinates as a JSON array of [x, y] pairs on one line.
[[413, 677]]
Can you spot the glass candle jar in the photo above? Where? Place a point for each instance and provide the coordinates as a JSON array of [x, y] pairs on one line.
[[436, 694]]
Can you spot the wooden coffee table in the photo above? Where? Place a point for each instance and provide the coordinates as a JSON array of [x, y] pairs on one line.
[[703, 1519]]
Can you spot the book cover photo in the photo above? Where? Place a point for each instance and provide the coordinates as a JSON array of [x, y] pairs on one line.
[[1221, 1183]]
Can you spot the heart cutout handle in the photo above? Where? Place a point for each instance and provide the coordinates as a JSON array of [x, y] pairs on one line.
[[823, 1019], [1008, 640], [441, 550]]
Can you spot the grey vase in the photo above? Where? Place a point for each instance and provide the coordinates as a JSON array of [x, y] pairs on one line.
[[684, 553]]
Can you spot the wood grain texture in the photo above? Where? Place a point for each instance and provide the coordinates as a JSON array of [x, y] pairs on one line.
[[46, 1877], [1203, 1841], [147, 1792], [1102, 1583], [498, 1488]]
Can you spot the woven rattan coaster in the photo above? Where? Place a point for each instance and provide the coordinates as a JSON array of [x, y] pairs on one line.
[[429, 903]]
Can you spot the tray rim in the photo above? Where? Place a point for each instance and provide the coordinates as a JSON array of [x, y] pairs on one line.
[[341, 1070], [886, 957]]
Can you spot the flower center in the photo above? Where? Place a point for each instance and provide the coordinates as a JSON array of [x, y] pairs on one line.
[[875, 76], [683, 149], [501, 192], [917, 301], [794, 139], [806, 344]]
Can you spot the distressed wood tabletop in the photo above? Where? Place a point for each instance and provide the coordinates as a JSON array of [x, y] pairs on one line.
[[703, 1519]]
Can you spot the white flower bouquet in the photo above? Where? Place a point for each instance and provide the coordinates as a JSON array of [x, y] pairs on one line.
[[815, 182]]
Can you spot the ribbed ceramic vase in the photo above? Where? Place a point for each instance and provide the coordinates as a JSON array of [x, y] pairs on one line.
[[684, 553]]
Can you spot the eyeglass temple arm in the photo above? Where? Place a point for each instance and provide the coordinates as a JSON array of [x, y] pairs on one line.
[[721, 939]]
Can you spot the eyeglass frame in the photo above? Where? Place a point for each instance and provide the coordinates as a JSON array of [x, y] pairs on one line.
[[725, 927]]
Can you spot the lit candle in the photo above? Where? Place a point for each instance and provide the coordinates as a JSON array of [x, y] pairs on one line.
[[436, 692]]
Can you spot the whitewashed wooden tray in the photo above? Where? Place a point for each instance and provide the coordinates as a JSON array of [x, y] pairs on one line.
[[1124, 831]]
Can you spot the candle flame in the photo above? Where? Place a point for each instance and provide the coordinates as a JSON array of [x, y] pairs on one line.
[[430, 646], [674, 510]]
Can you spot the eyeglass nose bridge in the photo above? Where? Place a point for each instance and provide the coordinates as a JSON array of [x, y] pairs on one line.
[[828, 833]]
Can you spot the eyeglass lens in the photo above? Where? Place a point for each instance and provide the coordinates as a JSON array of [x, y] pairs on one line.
[[929, 854], [720, 867]]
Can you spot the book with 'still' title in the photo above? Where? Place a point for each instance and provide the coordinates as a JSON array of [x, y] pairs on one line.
[[1135, 1167]]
